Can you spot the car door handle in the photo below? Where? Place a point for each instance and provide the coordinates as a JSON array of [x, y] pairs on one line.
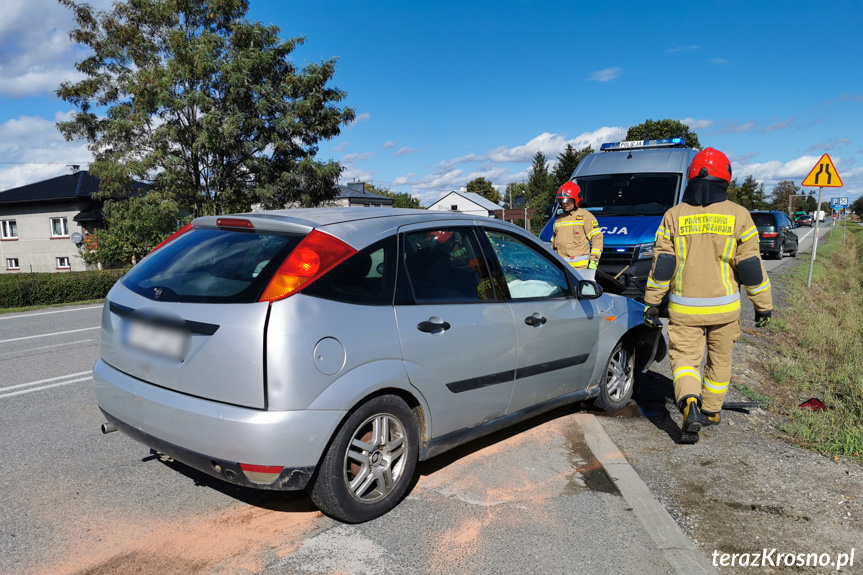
[[534, 320], [431, 326]]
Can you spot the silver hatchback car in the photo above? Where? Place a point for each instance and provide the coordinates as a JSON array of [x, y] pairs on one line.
[[331, 349]]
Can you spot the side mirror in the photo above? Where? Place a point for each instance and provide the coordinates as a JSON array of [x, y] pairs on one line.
[[588, 289]]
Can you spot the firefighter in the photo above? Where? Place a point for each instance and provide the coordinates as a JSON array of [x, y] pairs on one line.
[[576, 236], [706, 247]]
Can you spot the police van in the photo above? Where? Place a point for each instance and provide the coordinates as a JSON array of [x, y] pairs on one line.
[[628, 186]]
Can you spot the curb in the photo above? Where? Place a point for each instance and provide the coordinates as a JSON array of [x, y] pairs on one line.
[[676, 547]]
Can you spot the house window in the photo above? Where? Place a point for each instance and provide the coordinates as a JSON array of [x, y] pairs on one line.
[[12, 264], [8, 229], [59, 229], [453, 208], [63, 263]]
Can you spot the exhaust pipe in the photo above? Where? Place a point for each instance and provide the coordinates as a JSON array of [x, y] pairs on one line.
[[108, 427]]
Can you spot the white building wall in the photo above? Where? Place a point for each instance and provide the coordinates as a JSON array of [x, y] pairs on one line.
[[36, 249], [453, 202]]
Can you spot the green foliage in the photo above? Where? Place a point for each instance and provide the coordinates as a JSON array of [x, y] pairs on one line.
[[750, 194], [781, 194], [203, 104], [658, 129], [484, 188], [567, 161], [540, 190], [400, 199], [513, 190], [857, 206], [133, 227], [24, 290]]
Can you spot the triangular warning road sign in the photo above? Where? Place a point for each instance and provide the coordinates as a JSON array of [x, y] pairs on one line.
[[823, 175]]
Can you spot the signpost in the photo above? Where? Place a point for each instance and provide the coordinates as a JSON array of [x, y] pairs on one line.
[[823, 175]]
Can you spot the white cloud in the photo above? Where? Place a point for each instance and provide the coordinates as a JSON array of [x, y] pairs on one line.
[[736, 127], [774, 171], [33, 150], [364, 117], [605, 75], [696, 124], [778, 125], [351, 158], [341, 147], [388, 144], [405, 151], [352, 174], [829, 145], [683, 48]]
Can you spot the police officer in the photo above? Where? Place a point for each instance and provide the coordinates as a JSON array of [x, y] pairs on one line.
[[706, 247], [577, 236]]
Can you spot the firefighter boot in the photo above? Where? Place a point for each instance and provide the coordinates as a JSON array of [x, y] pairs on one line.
[[712, 418], [693, 420]]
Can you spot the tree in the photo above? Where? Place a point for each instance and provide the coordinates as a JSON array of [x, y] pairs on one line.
[[857, 206], [513, 190], [658, 129], [401, 199], [133, 227], [751, 194], [484, 188], [540, 190], [782, 194], [567, 161], [205, 105]]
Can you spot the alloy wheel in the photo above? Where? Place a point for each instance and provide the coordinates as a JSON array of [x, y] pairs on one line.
[[374, 461]]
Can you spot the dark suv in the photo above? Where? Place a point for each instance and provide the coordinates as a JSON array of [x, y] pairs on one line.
[[776, 234]]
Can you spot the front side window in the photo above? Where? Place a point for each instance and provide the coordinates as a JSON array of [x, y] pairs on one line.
[[528, 273], [446, 264], [59, 227], [12, 264], [8, 229], [63, 263]]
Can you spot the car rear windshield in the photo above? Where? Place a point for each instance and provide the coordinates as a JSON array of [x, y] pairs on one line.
[[211, 266], [764, 220], [630, 194]]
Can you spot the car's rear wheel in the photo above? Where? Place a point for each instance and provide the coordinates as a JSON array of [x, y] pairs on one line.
[[368, 467], [615, 391], [781, 253]]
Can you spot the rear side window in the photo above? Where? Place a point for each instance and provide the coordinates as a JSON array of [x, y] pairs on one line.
[[764, 220], [211, 266], [446, 264], [367, 277]]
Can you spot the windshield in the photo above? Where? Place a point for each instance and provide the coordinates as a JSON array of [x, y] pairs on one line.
[[630, 194]]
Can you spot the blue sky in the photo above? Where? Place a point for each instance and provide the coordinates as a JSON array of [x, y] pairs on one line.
[[449, 91]]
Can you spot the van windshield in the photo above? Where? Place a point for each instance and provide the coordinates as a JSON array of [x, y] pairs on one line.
[[630, 194]]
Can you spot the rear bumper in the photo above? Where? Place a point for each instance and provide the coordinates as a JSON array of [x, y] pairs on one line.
[[214, 437]]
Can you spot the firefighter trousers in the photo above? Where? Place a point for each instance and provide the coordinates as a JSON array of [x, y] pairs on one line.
[[686, 352]]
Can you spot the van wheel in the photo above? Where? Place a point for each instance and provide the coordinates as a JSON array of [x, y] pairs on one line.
[[368, 467], [781, 253], [615, 391]]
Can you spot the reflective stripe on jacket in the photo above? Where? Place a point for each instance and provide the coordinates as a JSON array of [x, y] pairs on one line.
[[697, 258], [577, 234]]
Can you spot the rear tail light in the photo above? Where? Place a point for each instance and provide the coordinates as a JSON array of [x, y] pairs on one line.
[[261, 473], [317, 254], [769, 234], [175, 235]]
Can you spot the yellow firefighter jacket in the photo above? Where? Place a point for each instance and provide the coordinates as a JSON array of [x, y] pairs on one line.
[[702, 255], [577, 238]]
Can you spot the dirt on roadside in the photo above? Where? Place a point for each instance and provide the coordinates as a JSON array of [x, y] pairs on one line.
[[745, 488]]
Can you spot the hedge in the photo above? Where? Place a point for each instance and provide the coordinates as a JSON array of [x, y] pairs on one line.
[[31, 289]]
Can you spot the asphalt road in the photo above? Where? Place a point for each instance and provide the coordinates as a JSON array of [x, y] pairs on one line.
[[530, 499]]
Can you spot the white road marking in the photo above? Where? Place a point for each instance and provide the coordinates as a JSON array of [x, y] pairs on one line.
[[49, 312], [23, 391], [3, 389], [50, 334]]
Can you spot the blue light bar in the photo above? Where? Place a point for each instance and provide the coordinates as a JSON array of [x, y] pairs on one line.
[[640, 144]]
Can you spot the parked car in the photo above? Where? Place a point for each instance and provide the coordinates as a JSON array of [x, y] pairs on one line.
[[776, 233], [806, 220], [331, 349]]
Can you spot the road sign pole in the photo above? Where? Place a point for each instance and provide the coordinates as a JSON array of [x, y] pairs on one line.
[[814, 241], [845, 226]]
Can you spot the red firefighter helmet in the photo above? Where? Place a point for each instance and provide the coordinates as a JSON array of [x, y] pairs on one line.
[[710, 162], [569, 191]]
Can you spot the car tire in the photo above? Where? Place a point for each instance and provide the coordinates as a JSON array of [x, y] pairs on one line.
[[370, 463], [781, 252], [615, 389]]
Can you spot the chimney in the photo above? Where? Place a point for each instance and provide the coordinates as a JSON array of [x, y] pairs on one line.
[[357, 186]]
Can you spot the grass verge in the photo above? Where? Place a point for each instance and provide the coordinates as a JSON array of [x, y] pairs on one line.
[[818, 350]]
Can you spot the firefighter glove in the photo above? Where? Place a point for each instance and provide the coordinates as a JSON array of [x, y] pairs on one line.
[[762, 318], [592, 265], [651, 316]]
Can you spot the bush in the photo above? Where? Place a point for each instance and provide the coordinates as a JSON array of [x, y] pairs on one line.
[[24, 290]]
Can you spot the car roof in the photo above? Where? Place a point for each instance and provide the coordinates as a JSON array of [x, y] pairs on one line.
[[358, 226]]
